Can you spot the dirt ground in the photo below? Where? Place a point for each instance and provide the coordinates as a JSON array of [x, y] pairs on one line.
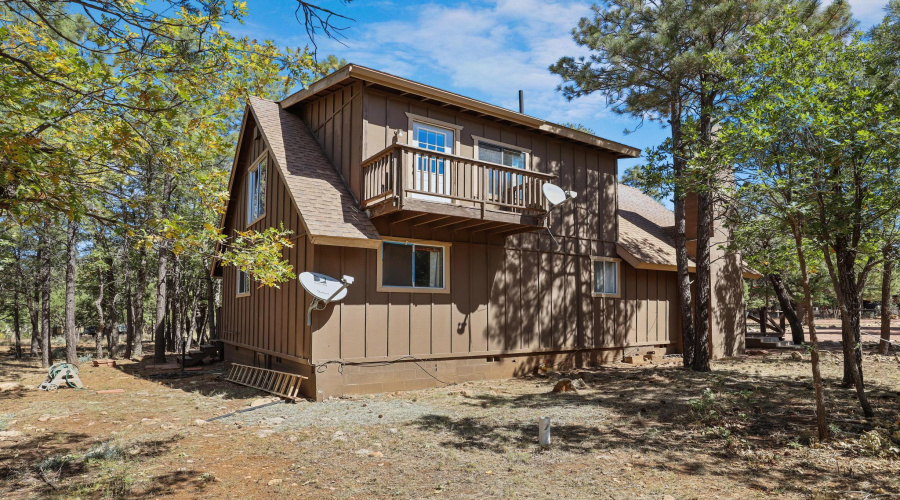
[[746, 430]]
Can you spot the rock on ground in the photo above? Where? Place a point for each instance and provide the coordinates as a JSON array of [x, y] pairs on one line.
[[564, 385]]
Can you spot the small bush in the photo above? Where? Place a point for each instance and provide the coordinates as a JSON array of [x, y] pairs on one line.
[[54, 463], [877, 444], [706, 409], [106, 450]]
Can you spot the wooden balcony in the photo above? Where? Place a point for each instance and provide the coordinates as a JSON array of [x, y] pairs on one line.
[[450, 187]]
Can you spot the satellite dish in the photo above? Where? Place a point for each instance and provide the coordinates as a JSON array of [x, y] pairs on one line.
[[324, 289], [555, 197]]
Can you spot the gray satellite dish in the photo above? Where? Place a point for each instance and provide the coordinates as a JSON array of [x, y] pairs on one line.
[[324, 289], [555, 197]]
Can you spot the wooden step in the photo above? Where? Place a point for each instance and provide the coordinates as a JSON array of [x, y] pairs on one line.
[[769, 343]]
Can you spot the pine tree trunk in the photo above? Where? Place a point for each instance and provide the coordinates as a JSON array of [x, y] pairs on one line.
[[704, 236], [787, 308], [129, 310], [821, 415], [113, 325], [44, 258], [192, 328], [849, 300], [34, 314], [701, 314], [210, 309], [681, 257], [71, 337], [17, 327], [159, 347], [139, 322], [887, 272], [101, 318], [17, 304]]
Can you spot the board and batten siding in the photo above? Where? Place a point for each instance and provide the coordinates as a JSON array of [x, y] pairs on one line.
[[517, 294], [269, 319], [336, 120], [502, 300]]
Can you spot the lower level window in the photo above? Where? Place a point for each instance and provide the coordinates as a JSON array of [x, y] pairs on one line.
[[606, 276], [243, 283], [412, 265]]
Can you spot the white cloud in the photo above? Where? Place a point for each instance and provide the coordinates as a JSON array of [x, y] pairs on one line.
[[484, 50], [868, 12]]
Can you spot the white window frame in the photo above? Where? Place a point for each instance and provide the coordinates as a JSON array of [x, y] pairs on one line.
[[244, 293], [254, 188], [476, 139], [512, 181], [413, 289], [618, 262], [435, 123]]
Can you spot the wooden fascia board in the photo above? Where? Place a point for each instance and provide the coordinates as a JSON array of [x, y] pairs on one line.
[[403, 85], [317, 87], [340, 241]]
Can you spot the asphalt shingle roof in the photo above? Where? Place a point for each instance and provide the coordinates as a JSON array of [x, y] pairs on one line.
[[644, 228], [325, 203]]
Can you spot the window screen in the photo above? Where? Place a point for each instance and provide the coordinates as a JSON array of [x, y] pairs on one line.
[[606, 279], [411, 265], [397, 264]]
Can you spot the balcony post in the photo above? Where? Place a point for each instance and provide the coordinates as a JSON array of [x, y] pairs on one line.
[[403, 177]]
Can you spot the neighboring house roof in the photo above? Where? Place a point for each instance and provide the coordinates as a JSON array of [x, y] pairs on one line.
[[645, 241], [354, 72], [326, 206]]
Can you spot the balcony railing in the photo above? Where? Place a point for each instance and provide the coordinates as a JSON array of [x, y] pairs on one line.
[[401, 171]]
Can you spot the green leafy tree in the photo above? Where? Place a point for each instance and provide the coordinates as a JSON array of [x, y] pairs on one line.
[[815, 137]]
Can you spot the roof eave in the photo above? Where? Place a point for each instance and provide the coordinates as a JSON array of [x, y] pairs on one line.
[[402, 84]]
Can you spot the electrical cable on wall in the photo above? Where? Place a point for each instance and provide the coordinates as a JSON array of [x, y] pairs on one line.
[[321, 367]]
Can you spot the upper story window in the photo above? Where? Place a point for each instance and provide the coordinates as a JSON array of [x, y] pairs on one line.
[[413, 267], [606, 277], [503, 155], [243, 283], [256, 192], [432, 138]]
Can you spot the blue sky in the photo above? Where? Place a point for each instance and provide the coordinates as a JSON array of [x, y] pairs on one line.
[[484, 49]]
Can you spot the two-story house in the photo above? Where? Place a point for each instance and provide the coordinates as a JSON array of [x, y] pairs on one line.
[[433, 203]]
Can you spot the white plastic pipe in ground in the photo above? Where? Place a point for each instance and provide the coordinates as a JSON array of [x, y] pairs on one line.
[[544, 427]]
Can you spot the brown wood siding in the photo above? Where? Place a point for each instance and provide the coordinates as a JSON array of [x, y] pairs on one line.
[[337, 122], [502, 300], [516, 294], [272, 319], [589, 172]]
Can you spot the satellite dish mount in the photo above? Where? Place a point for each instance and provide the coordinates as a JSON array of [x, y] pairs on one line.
[[324, 289], [556, 197]]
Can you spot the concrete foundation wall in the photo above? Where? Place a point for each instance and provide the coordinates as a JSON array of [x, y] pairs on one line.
[[334, 380]]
